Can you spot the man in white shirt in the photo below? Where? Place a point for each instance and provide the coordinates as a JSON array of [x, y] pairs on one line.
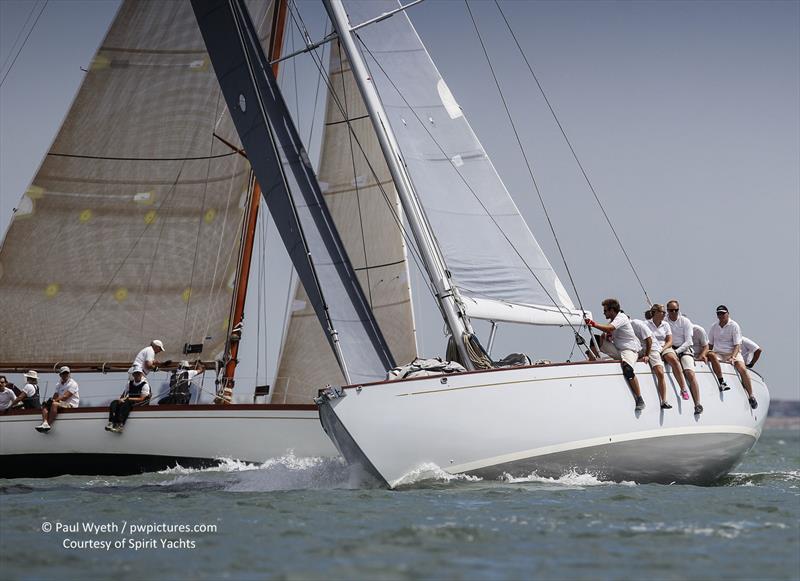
[[751, 352], [66, 396], [623, 344], [682, 343], [7, 395], [146, 358], [700, 343], [136, 393], [725, 340]]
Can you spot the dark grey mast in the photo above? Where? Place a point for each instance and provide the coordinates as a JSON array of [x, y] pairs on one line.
[[291, 190]]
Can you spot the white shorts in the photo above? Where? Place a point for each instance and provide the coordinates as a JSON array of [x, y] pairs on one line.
[[726, 357], [655, 359], [627, 355], [687, 360]]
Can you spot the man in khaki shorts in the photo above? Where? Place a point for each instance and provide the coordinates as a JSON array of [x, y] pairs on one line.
[[623, 344], [725, 340], [682, 330]]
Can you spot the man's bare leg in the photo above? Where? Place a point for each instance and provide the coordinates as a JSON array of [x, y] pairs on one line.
[[740, 367], [691, 379], [714, 360]]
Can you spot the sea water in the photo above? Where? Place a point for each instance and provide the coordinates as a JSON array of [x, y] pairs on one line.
[[306, 518]]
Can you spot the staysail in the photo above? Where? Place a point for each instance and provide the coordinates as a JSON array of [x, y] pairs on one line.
[[456, 182], [131, 228], [291, 190], [363, 203]]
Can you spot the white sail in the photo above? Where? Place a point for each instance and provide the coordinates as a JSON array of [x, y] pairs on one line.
[[487, 245], [366, 211], [132, 225]]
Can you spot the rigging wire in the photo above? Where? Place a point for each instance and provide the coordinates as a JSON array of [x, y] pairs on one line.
[[24, 42], [574, 154], [19, 35], [471, 190], [410, 243]]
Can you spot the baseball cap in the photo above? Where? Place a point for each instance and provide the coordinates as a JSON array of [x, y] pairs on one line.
[[722, 309], [64, 369], [157, 343], [136, 369]]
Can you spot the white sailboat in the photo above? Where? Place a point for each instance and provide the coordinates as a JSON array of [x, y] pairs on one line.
[[394, 136], [141, 212], [484, 264]]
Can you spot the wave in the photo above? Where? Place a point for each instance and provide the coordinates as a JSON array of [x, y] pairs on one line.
[[760, 478]]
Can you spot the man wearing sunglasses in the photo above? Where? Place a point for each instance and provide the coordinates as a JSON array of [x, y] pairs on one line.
[[725, 340], [682, 343]]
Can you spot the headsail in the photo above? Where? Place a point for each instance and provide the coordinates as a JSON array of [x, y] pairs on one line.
[[131, 227], [363, 203], [291, 189], [488, 247]]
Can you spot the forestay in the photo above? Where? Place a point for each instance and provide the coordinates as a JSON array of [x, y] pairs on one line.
[[487, 245], [131, 228], [363, 203]]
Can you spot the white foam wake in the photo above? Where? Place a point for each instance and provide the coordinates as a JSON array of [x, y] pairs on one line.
[[430, 471], [288, 472], [571, 478]]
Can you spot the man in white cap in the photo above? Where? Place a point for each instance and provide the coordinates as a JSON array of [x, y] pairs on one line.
[[28, 396], [146, 358], [137, 392], [725, 340], [66, 396]]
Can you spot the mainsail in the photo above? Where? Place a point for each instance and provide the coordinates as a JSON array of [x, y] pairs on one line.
[[131, 227], [363, 203], [489, 249]]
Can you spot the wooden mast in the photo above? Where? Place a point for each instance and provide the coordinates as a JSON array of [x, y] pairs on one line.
[[251, 219]]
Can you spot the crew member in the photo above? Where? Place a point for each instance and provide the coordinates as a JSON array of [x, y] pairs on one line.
[[725, 340], [137, 392], [66, 396]]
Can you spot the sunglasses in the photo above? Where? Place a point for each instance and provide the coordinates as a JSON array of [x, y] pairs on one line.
[[721, 314], [673, 310]]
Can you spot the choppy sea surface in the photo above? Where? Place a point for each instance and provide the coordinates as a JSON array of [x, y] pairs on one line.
[[305, 518]]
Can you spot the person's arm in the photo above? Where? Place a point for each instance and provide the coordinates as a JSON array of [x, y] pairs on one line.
[[648, 347], [66, 395], [687, 337], [703, 355], [600, 326], [667, 342], [756, 355]]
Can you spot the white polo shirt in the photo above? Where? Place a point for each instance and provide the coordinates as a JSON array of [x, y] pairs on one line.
[[748, 348], [146, 354], [7, 396], [725, 338], [29, 389], [660, 333], [641, 330], [623, 336], [699, 339], [70, 386], [681, 333]]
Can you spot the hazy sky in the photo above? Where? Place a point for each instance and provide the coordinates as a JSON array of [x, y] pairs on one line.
[[684, 114]]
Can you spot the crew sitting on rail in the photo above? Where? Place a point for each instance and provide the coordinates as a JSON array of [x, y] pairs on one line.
[[725, 339], [137, 392], [623, 344], [66, 396], [751, 352]]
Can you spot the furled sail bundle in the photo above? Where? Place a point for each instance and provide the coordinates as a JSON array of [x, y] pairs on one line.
[[131, 228], [363, 202], [495, 261]]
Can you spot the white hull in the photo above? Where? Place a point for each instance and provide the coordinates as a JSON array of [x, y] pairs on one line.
[[157, 437], [549, 420]]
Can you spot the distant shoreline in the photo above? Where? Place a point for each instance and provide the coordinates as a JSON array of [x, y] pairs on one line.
[[783, 423]]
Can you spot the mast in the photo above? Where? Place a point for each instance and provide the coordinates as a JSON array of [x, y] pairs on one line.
[[429, 250], [249, 232]]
